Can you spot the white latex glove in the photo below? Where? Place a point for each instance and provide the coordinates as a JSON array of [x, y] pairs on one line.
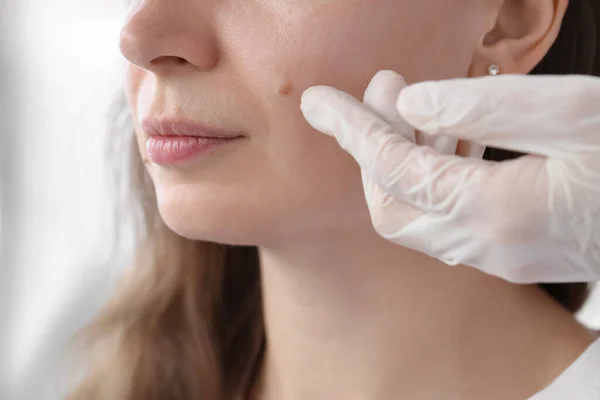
[[533, 219]]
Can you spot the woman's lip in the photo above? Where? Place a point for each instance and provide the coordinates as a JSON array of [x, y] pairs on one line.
[[168, 150], [183, 127]]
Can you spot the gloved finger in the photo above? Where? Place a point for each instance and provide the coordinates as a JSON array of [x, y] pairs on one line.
[[501, 112], [381, 95], [417, 174], [442, 143], [357, 128]]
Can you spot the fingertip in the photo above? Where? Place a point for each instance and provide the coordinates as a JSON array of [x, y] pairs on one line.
[[414, 100], [388, 74], [322, 106], [385, 79], [309, 98], [381, 96], [417, 106], [309, 93]]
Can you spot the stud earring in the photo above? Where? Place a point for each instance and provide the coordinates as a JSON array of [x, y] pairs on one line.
[[494, 69]]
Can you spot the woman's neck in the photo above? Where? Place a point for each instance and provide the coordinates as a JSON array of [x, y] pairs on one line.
[[357, 317]]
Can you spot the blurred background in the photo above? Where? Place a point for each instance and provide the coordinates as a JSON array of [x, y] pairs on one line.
[[60, 65]]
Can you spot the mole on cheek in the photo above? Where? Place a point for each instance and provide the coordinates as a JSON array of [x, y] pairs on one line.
[[285, 88]]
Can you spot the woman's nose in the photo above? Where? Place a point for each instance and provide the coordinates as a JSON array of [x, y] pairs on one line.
[[163, 38]]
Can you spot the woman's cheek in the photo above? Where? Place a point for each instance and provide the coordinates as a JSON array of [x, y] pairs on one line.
[[340, 46]]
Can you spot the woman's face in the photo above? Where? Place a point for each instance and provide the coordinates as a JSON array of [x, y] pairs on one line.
[[242, 66]]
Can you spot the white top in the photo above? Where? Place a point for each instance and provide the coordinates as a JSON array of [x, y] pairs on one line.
[[580, 381]]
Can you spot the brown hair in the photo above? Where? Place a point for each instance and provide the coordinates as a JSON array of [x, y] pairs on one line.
[[186, 321]]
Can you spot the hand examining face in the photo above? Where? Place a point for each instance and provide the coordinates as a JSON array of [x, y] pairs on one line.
[[534, 219], [245, 69]]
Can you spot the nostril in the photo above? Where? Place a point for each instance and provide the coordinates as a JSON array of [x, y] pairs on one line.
[[167, 59]]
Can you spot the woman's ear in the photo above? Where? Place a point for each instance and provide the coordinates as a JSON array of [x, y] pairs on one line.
[[523, 34]]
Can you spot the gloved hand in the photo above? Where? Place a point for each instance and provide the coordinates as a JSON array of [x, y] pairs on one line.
[[533, 219]]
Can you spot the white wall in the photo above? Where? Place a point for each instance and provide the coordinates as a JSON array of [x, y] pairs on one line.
[[68, 60], [69, 63]]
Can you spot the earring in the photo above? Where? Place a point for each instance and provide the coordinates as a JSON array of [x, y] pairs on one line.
[[494, 69]]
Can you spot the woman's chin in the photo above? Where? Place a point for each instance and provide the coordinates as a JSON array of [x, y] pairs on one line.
[[216, 227]]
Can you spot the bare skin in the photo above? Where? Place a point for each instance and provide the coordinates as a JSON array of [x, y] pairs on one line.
[[348, 314]]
